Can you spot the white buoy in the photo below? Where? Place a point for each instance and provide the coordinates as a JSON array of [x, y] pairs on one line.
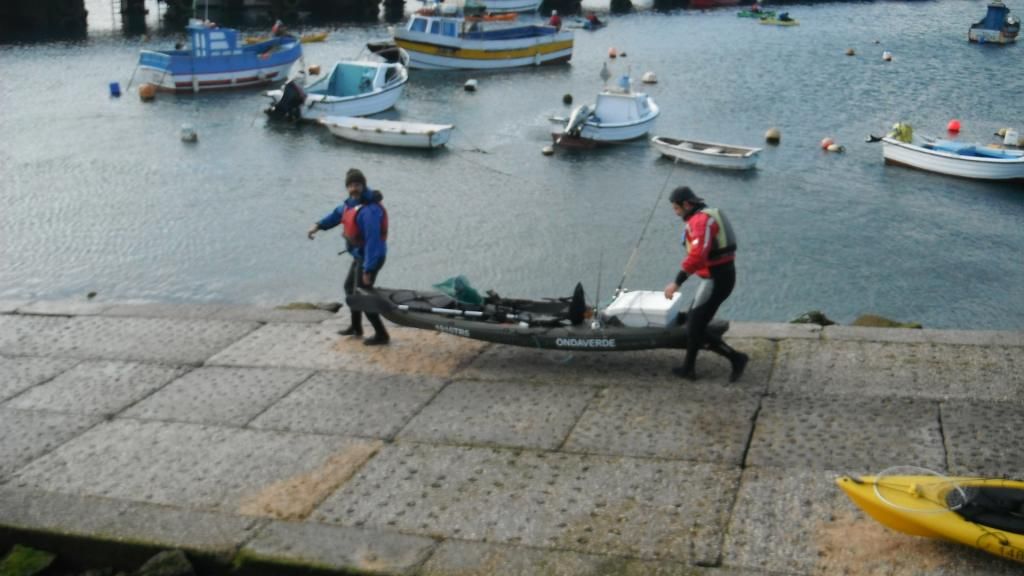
[[470, 85], [836, 148], [649, 78], [547, 150], [887, 56], [188, 133], [773, 136]]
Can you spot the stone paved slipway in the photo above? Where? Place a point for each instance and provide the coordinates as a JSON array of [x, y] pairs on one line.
[[260, 441]]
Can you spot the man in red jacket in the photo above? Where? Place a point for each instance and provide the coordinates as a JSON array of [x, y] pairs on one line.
[[710, 254]]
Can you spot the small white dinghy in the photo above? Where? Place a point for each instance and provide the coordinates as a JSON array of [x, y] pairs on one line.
[[707, 153], [950, 157], [389, 132]]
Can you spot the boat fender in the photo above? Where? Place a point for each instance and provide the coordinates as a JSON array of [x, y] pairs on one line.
[[147, 92]]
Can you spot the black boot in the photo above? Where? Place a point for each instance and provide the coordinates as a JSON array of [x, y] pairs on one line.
[[685, 372], [356, 328], [380, 336], [739, 363]]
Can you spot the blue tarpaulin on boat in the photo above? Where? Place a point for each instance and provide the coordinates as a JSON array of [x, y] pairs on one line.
[[995, 17], [510, 33]]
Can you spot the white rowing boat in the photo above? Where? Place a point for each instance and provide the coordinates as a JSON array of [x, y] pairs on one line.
[[707, 153], [389, 132]]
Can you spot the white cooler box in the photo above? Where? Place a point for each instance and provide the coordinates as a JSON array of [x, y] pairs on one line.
[[642, 308]]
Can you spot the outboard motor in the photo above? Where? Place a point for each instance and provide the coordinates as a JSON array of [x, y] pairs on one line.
[[289, 107], [577, 119]]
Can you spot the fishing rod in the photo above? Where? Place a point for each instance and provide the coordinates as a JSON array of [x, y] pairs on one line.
[[643, 232]]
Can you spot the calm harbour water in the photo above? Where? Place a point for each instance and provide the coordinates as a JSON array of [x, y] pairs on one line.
[[99, 194]]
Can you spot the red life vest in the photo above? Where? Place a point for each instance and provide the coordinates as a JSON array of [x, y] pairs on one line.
[[351, 230]]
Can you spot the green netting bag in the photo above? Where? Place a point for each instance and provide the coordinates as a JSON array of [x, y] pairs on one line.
[[458, 287], [903, 132]]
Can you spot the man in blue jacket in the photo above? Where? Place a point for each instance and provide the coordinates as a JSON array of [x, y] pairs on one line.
[[365, 229]]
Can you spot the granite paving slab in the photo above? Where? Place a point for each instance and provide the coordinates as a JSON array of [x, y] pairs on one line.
[[64, 307], [99, 387], [984, 438], [171, 341], [863, 433], [787, 519], [21, 373], [367, 405], [320, 347], [229, 470], [961, 337], [648, 509], [17, 330], [103, 519], [230, 396], [514, 414], [335, 548], [9, 306], [921, 370], [694, 422], [215, 312], [774, 330], [460, 558], [618, 368], [28, 434]]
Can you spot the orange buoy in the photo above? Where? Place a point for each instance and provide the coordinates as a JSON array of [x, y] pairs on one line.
[[612, 52], [147, 92], [953, 126], [826, 142]]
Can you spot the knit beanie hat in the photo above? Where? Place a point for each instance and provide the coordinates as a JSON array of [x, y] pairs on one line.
[[354, 175]]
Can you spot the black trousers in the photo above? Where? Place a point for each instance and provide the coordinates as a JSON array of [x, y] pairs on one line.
[[354, 279], [710, 295]]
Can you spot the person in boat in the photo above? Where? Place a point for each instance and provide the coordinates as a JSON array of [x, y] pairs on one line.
[[365, 229], [710, 254], [555, 20], [784, 17], [279, 29], [594, 21], [755, 8]]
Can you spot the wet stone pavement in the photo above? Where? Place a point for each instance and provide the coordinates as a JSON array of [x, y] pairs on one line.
[[263, 441]]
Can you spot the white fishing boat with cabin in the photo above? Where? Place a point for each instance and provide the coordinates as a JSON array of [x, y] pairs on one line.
[[709, 154], [618, 115], [352, 88], [389, 132]]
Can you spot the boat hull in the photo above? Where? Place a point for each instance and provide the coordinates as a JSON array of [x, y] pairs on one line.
[[177, 71], [916, 505], [389, 133], [901, 153], [745, 160], [985, 36], [431, 52], [319, 106]]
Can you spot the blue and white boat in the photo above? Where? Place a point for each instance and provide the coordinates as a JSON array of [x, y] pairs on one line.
[[998, 26], [217, 58], [353, 88], [952, 158]]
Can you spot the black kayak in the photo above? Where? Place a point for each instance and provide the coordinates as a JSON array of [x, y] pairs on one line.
[[557, 323]]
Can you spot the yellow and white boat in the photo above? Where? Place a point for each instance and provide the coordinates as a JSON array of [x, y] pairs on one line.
[[984, 513], [453, 42]]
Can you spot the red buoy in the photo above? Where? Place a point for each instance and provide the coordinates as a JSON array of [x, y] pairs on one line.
[[953, 126]]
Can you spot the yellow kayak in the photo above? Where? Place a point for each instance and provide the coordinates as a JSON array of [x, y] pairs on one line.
[[777, 22], [984, 513]]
